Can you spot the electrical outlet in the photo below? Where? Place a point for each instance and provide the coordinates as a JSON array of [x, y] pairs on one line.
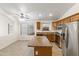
[[36, 52]]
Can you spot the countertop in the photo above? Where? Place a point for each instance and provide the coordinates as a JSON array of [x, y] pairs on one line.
[[49, 31], [39, 41]]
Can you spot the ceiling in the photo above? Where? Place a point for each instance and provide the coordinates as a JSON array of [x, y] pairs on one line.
[[43, 11]]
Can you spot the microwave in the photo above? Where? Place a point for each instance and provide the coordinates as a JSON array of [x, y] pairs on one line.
[[60, 27]]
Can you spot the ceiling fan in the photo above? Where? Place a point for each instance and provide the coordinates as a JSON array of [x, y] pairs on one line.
[[23, 16]]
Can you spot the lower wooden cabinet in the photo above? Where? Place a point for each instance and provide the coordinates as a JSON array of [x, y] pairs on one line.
[[49, 35], [43, 51]]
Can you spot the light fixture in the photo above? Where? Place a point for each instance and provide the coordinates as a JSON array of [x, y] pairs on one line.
[[40, 15], [50, 14], [21, 19]]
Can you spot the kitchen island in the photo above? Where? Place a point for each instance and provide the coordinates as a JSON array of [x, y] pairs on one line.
[[42, 46]]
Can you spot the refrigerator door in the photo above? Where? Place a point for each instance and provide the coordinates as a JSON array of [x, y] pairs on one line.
[[65, 41], [72, 40]]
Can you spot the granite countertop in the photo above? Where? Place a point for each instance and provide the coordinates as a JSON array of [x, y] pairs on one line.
[[40, 41]]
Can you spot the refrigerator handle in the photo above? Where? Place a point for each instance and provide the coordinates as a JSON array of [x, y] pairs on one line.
[[67, 39]]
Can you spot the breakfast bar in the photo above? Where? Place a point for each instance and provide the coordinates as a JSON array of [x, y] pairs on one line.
[[42, 46]]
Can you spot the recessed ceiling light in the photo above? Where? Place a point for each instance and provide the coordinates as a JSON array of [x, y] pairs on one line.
[[50, 14], [40, 15], [20, 19]]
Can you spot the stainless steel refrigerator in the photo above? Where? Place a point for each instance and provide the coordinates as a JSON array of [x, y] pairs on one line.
[[71, 39], [70, 42]]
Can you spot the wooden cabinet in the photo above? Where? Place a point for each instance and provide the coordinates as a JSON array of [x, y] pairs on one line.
[[43, 51], [38, 25], [58, 23], [75, 18], [49, 35], [57, 40], [67, 20], [61, 22], [41, 45], [54, 24]]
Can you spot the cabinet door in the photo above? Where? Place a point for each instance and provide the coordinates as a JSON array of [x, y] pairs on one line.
[[75, 18], [67, 20], [42, 51], [53, 37], [58, 23], [61, 22], [38, 25], [49, 37], [54, 24]]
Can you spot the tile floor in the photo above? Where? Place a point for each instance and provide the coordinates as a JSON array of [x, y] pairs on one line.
[[20, 48], [56, 51]]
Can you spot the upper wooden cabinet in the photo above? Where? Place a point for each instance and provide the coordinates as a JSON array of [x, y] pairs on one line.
[[54, 24], [66, 20], [75, 17], [38, 25], [61, 21], [58, 23]]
